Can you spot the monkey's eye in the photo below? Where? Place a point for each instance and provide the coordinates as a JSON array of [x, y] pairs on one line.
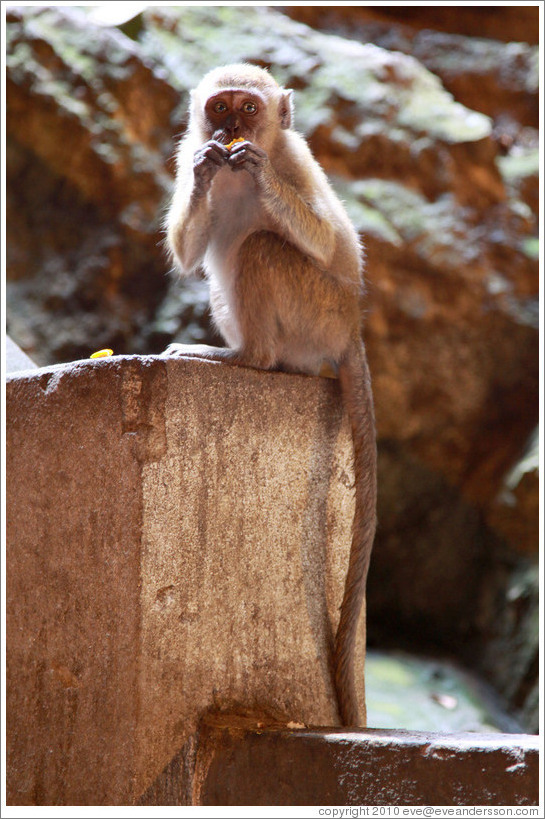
[[220, 107], [249, 107]]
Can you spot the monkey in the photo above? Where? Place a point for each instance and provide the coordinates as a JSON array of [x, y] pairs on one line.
[[254, 210]]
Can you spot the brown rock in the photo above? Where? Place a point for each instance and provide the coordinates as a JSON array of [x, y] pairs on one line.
[[506, 23], [88, 139], [514, 512]]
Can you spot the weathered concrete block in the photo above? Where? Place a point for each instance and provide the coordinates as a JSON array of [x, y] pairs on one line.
[[236, 764], [178, 535]]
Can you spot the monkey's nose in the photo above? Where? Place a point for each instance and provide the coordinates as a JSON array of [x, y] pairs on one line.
[[232, 123]]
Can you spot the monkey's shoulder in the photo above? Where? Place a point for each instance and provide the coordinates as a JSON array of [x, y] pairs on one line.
[[292, 158], [294, 161]]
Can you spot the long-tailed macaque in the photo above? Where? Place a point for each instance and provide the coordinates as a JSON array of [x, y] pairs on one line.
[[253, 208]]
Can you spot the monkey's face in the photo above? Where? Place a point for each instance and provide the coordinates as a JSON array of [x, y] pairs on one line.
[[230, 114]]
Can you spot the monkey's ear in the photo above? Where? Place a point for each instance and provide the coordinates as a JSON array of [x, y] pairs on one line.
[[285, 109]]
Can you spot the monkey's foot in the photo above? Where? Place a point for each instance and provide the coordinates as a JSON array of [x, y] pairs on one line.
[[226, 354], [201, 351]]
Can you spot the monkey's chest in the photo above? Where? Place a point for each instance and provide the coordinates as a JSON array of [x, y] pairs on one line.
[[236, 210]]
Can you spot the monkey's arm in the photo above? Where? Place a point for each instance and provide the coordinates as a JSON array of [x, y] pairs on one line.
[[188, 222], [187, 232], [296, 219]]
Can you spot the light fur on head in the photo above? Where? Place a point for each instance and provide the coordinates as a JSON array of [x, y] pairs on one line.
[[242, 75]]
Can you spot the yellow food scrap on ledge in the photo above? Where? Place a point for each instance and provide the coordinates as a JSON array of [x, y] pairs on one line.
[[102, 353], [233, 142]]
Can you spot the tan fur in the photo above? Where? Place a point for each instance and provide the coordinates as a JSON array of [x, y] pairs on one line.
[[284, 265]]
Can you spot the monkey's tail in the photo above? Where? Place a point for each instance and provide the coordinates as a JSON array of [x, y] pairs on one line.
[[355, 382]]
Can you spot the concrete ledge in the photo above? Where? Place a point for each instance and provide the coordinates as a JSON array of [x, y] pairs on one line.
[[239, 765], [177, 540], [178, 533]]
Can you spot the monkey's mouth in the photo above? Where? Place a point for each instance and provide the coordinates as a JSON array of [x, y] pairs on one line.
[[226, 136]]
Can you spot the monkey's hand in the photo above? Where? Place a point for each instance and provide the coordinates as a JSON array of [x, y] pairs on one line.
[[207, 161], [248, 157]]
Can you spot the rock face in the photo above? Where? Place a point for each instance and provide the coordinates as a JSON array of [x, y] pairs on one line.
[[430, 138], [507, 23], [87, 177]]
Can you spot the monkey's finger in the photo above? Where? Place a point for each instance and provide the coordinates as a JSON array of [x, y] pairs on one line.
[[212, 149], [219, 146], [238, 159], [239, 146], [249, 147], [206, 166], [244, 161], [215, 149], [250, 152], [211, 155], [253, 155]]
